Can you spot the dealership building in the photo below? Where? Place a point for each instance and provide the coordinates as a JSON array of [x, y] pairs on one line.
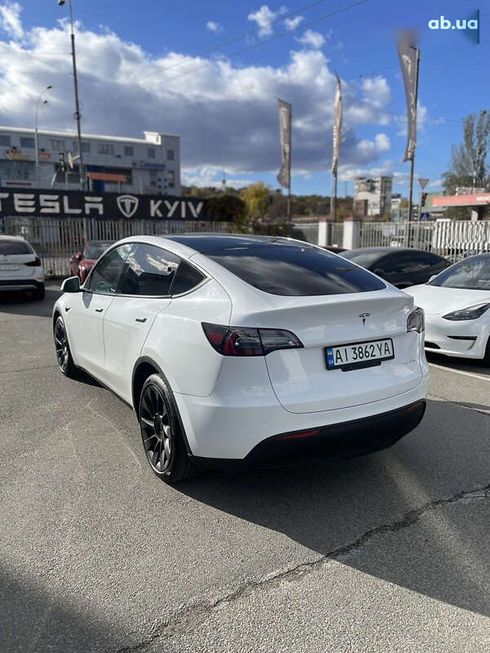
[[47, 160]]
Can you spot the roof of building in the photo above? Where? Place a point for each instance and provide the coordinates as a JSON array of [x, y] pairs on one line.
[[69, 134]]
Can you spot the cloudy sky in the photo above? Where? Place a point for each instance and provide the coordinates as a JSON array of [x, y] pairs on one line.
[[211, 71]]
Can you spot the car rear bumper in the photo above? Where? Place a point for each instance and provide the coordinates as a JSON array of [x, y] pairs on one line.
[[20, 284], [328, 443], [232, 430]]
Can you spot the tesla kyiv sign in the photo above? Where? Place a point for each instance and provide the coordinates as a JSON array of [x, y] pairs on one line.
[[76, 204]]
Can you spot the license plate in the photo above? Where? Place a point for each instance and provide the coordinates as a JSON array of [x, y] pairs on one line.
[[6, 266], [359, 354]]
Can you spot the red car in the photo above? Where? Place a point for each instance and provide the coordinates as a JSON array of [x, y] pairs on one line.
[[82, 262]]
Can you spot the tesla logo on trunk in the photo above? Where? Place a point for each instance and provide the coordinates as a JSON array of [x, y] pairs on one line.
[[128, 205], [363, 317]]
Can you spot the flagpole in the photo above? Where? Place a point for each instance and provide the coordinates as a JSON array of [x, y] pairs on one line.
[[412, 160], [337, 136], [289, 217], [333, 196]]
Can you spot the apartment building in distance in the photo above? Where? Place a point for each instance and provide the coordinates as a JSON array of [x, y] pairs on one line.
[[373, 196], [48, 159]]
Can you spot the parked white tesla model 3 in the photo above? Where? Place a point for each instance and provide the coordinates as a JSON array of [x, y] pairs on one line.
[[457, 307], [246, 350]]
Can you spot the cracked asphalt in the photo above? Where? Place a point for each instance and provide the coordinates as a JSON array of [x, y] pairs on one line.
[[383, 553]]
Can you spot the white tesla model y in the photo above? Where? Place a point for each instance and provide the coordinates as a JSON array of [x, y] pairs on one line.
[[238, 350]]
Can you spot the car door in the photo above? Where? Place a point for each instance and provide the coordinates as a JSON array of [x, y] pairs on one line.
[[144, 291], [86, 311]]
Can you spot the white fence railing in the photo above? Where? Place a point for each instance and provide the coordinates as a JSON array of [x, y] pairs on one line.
[[452, 239], [57, 239]]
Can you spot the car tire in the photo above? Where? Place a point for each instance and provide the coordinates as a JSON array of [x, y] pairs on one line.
[[62, 348], [40, 292], [161, 432]]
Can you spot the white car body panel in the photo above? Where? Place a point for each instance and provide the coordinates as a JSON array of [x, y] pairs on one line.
[[84, 315], [14, 273], [229, 404], [449, 335]]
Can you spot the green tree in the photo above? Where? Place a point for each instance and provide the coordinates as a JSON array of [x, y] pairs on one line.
[[257, 200], [223, 207], [469, 161]]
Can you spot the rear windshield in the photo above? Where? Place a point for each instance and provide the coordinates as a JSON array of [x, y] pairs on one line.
[[291, 269], [9, 247]]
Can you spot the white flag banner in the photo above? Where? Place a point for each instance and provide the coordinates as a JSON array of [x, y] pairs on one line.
[[409, 58], [337, 126], [285, 118]]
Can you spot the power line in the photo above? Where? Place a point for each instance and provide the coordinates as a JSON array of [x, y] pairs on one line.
[[264, 41], [251, 32]]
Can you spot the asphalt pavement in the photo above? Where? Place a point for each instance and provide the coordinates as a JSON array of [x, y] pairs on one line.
[[383, 553]]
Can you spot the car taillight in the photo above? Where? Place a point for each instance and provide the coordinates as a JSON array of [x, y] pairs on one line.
[[36, 263], [247, 341]]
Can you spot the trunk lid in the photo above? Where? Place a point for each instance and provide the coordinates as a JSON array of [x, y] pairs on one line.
[[300, 378]]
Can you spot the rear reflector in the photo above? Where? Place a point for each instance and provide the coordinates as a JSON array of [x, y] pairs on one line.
[[298, 435], [247, 341]]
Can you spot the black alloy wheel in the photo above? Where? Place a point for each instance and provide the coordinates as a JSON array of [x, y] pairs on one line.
[[62, 348], [161, 433]]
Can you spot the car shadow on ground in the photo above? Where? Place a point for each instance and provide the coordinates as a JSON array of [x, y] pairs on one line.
[[24, 303], [34, 618], [398, 515]]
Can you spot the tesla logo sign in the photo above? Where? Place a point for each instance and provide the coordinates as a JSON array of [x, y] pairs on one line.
[[363, 317], [128, 205], [111, 206]]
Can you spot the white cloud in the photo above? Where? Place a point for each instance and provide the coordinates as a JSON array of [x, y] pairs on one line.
[[312, 39], [382, 142], [376, 89], [10, 21], [206, 175], [293, 23], [227, 115], [264, 18], [213, 26]]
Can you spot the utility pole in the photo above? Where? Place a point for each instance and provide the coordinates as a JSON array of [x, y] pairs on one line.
[[40, 101], [78, 117]]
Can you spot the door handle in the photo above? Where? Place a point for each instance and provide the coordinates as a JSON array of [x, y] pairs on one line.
[[140, 319], [99, 310]]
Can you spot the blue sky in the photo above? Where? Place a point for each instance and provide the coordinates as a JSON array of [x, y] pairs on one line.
[[170, 66]]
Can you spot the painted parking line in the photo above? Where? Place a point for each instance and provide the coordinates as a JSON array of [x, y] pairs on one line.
[[450, 369]]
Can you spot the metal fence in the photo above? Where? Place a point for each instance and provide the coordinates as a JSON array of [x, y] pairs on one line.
[[452, 239], [57, 239]]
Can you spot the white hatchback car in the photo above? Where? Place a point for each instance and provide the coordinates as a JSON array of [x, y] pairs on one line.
[[457, 308], [240, 350], [20, 266]]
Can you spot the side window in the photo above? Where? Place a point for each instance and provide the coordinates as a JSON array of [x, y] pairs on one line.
[[428, 260], [105, 276], [398, 264], [148, 271], [186, 278]]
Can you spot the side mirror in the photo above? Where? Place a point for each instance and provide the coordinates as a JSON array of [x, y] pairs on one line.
[[78, 256], [72, 284]]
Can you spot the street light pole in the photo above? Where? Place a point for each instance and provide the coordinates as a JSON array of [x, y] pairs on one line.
[[40, 101], [78, 116]]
